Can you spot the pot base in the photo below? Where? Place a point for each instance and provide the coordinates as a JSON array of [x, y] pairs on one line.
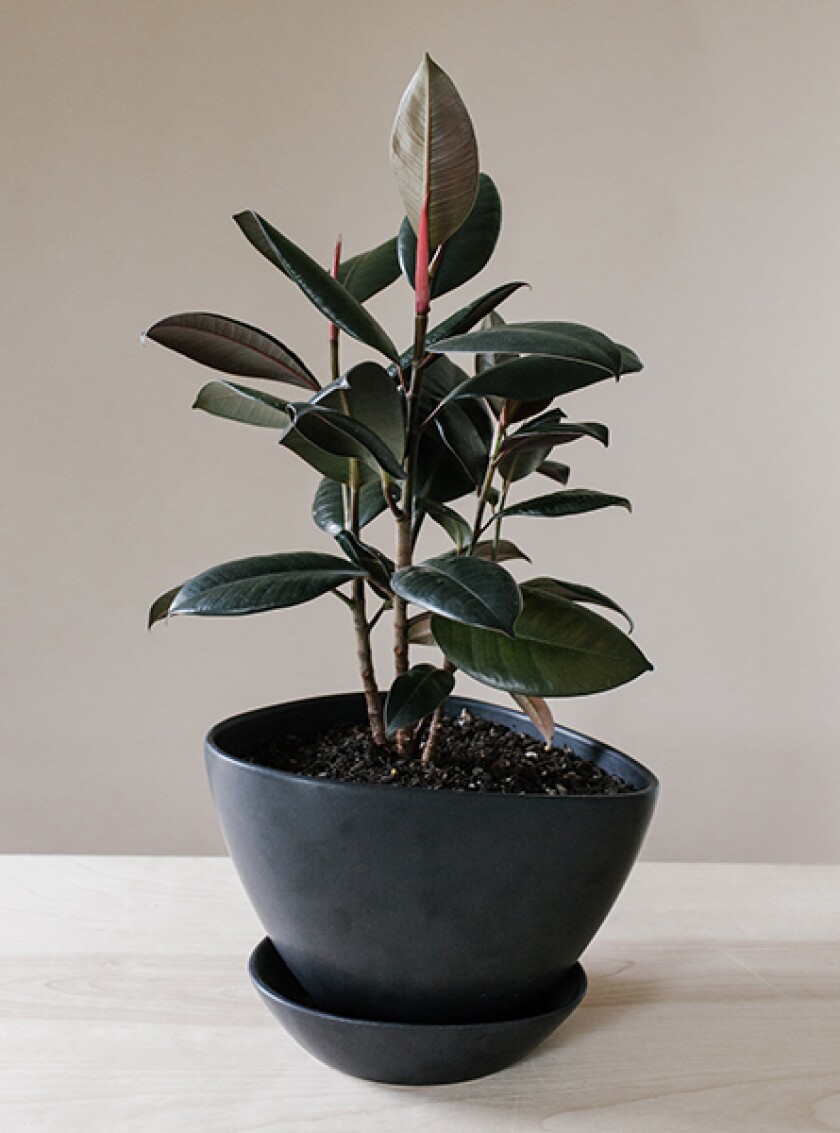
[[407, 1054]]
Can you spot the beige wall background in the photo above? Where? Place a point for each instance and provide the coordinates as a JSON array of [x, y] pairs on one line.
[[671, 174]]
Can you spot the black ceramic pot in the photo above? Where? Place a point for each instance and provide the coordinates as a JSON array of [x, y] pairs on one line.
[[408, 905]]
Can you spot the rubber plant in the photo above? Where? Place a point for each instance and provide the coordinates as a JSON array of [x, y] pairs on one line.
[[412, 433]]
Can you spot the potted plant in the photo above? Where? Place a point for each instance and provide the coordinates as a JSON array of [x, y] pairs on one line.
[[427, 868]]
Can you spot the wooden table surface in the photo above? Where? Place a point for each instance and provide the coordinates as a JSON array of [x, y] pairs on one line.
[[125, 1005]]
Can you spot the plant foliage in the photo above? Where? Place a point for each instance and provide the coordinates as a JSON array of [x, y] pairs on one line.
[[420, 438]]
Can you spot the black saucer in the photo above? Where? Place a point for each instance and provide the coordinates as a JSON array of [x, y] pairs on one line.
[[407, 1054]]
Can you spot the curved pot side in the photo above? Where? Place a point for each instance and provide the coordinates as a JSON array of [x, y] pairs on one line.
[[415, 905]]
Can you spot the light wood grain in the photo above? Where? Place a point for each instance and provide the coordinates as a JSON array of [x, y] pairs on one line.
[[714, 1004]]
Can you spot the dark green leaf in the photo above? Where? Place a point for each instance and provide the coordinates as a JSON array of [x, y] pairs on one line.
[[370, 272], [233, 347], [342, 435], [466, 589], [415, 695], [498, 552], [466, 252], [265, 582], [540, 438], [572, 341], [467, 440], [533, 378], [328, 505], [544, 422], [485, 361], [240, 403], [160, 607], [369, 394], [441, 476], [378, 567], [517, 465], [575, 501], [560, 649], [554, 470], [538, 712], [466, 317], [630, 361], [329, 296], [515, 410], [576, 592], [338, 468], [455, 526]]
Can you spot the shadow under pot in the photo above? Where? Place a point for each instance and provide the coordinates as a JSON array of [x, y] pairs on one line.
[[410, 905]]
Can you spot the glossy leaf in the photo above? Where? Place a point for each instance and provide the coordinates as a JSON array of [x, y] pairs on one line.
[[329, 296], [343, 436], [466, 317], [455, 526], [553, 339], [441, 476], [415, 695], [498, 552], [159, 610], [487, 360], [328, 505], [370, 272], [240, 403], [232, 347], [369, 394], [434, 154], [543, 421], [377, 566], [514, 410], [575, 592], [539, 713], [534, 378], [338, 468], [466, 252], [560, 649], [631, 363], [517, 465], [519, 460], [551, 435], [467, 439], [465, 589], [265, 582], [574, 501], [554, 470]]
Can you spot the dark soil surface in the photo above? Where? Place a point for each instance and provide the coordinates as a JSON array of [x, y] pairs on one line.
[[473, 755]]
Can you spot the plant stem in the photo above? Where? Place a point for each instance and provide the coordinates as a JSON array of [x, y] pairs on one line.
[[364, 653], [405, 524], [484, 492], [497, 532], [433, 738]]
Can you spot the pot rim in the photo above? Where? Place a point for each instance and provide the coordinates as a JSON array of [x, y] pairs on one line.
[[588, 743]]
